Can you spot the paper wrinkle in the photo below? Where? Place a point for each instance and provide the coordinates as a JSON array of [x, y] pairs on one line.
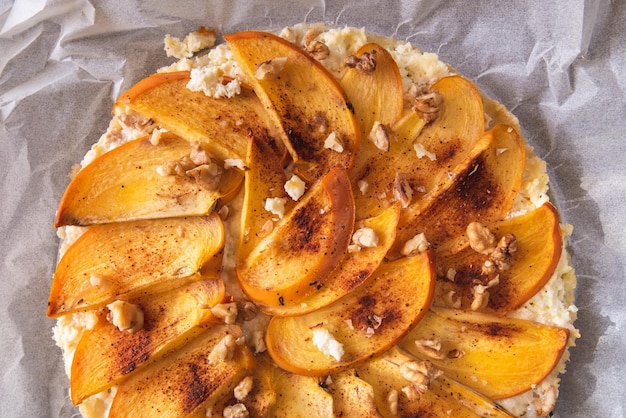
[[559, 66]]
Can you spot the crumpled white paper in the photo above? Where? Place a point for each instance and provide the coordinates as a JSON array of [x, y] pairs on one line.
[[559, 66]]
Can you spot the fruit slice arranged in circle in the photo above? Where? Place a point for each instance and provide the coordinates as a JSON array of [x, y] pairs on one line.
[[377, 96], [496, 356], [357, 266], [105, 355], [539, 245], [365, 322], [318, 126], [187, 382], [303, 248], [112, 260], [223, 125], [139, 180]]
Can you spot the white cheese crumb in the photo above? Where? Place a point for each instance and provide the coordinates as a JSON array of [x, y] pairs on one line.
[[99, 281], [125, 316], [210, 81], [334, 142], [327, 344], [275, 205], [422, 152], [194, 42], [155, 138], [295, 187]]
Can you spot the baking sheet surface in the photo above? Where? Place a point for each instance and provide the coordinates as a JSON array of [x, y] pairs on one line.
[[559, 66]]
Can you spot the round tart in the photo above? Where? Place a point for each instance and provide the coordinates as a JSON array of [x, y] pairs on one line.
[[318, 222]]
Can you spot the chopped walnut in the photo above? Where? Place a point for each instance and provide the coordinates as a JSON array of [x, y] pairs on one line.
[[451, 274], [392, 400], [248, 310], [419, 374], [207, 176], [501, 255], [257, 342], [199, 155], [426, 104], [317, 49], [269, 70], [365, 237], [452, 300], [543, 405], [243, 388], [455, 353], [402, 191], [223, 350], [366, 64], [380, 135], [226, 312], [125, 316], [410, 392], [431, 348], [480, 238], [363, 186], [237, 410], [417, 244], [481, 295], [334, 142]]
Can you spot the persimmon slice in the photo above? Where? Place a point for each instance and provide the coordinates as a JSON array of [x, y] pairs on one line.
[[497, 356], [112, 260], [367, 321], [304, 248], [303, 98], [125, 184], [105, 355]]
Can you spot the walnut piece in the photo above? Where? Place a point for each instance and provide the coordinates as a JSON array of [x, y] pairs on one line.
[[380, 135], [419, 374], [237, 410], [425, 103], [269, 70], [402, 191], [480, 238], [227, 312], [417, 244], [366, 64], [334, 142], [430, 348], [223, 350], [365, 238], [243, 388]]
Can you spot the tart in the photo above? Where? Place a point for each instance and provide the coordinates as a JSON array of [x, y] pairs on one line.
[[315, 221]]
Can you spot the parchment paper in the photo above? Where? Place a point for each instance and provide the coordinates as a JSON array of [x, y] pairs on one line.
[[559, 66]]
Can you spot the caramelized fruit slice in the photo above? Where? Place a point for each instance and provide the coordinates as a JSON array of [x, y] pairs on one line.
[[366, 321], [496, 356], [124, 184], [112, 260], [300, 396], [450, 138], [482, 189], [222, 124], [264, 179], [376, 96], [185, 383], [105, 355], [306, 246], [355, 268], [539, 245], [384, 376], [303, 98], [352, 396]]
